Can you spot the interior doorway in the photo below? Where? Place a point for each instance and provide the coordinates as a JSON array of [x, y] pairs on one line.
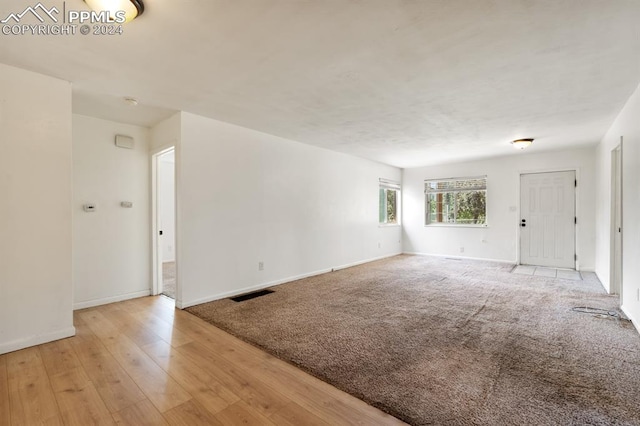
[[616, 221], [164, 223], [548, 219]]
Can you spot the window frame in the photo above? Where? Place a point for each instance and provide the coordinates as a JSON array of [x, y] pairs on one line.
[[454, 190], [389, 185]]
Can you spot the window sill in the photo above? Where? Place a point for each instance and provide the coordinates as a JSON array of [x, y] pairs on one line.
[[453, 225], [389, 225]]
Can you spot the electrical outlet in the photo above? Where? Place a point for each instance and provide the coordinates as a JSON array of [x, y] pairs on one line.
[[260, 266], [379, 245], [461, 249]]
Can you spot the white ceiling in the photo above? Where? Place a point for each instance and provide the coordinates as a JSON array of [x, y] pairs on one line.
[[407, 83]]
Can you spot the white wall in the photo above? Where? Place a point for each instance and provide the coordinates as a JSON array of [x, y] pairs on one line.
[[246, 197], [35, 209], [167, 205], [166, 133], [111, 247], [499, 240], [627, 125]]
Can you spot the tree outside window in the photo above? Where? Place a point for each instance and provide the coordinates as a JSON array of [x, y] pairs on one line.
[[389, 211], [456, 201]]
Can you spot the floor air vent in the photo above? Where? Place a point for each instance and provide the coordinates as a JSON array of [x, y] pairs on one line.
[[249, 296]]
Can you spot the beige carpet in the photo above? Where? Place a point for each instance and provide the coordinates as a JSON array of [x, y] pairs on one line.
[[449, 342]]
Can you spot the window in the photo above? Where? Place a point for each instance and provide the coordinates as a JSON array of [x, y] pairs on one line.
[[389, 213], [456, 201]]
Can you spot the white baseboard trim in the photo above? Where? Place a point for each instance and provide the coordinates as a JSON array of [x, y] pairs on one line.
[[39, 339], [111, 299], [362, 262], [635, 322], [510, 262], [183, 305]]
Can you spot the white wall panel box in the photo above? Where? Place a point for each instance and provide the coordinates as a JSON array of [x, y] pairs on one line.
[[124, 141]]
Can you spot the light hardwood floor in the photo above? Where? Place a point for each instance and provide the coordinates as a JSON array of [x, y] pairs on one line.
[[143, 362]]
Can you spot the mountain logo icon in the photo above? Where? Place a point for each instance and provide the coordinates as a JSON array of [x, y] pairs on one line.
[[39, 11]]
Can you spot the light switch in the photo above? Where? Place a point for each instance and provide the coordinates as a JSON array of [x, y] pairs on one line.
[[126, 204]]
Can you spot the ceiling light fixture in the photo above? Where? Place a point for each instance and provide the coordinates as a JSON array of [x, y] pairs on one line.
[[522, 143], [131, 8]]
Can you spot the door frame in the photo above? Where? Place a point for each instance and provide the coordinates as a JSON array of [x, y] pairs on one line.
[[616, 208], [576, 200], [156, 252]]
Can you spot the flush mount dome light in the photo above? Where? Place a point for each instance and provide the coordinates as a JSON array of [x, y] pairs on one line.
[[130, 101], [131, 8], [522, 143]]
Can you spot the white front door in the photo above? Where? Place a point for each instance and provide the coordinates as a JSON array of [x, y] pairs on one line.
[[547, 219]]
